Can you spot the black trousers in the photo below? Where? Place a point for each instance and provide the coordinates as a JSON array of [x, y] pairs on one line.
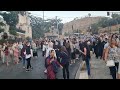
[[114, 70], [43, 53], [28, 63], [66, 71]]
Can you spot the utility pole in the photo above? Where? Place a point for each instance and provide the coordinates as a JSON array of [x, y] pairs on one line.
[[43, 20], [43, 16], [57, 26]]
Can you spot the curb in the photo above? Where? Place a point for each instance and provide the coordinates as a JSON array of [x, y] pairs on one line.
[[77, 75]]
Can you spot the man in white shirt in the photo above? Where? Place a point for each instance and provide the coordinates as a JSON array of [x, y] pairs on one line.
[[43, 49], [50, 47]]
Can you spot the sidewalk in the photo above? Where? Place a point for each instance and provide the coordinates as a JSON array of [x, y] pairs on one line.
[[98, 70]]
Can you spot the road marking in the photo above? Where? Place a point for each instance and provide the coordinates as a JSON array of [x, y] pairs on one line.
[[83, 75]]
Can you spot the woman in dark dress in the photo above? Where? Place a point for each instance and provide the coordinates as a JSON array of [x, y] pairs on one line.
[[52, 65]]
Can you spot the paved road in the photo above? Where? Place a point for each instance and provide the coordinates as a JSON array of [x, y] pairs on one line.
[[99, 70], [17, 72]]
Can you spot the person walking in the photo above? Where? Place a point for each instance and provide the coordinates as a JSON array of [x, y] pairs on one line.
[[16, 55], [44, 49], [65, 62], [52, 65], [28, 54], [7, 55], [87, 56], [118, 58], [72, 46], [11, 53], [48, 49], [34, 47], [3, 53], [23, 55], [110, 54]]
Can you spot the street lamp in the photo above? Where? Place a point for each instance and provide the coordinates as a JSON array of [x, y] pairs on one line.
[[91, 22], [57, 27], [43, 20], [108, 14]]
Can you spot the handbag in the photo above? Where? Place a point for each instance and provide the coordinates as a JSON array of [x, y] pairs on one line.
[[110, 63], [83, 65]]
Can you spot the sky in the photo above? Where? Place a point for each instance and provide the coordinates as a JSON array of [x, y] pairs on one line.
[[68, 16]]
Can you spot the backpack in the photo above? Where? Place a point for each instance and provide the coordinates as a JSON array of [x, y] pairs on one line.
[[55, 67]]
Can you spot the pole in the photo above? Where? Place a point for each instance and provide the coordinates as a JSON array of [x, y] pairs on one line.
[[43, 20], [43, 16], [57, 26]]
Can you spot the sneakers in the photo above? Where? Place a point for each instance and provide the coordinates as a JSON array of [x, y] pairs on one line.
[[70, 64], [31, 68], [23, 67], [45, 71], [27, 70]]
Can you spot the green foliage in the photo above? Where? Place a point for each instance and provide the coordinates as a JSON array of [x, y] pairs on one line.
[[2, 24], [12, 30], [66, 34], [11, 18], [60, 27], [2, 41], [94, 28], [106, 22], [39, 27]]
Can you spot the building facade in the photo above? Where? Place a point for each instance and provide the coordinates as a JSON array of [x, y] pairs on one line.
[[24, 28], [24, 24]]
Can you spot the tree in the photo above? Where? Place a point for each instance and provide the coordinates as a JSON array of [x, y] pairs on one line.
[[39, 27], [11, 18], [60, 27], [94, 28], [2, 24], [12, 31], [66, 34]]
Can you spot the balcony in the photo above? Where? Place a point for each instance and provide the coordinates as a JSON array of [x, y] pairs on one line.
[[20, 31]]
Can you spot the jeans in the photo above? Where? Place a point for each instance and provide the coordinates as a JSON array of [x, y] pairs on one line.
[[88, 64], [66, 70], [23, 58], [114, 70], [28, 63], [117, 66]]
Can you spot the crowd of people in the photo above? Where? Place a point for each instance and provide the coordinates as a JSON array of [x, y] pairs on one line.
[[61, 53], [16, 52]]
